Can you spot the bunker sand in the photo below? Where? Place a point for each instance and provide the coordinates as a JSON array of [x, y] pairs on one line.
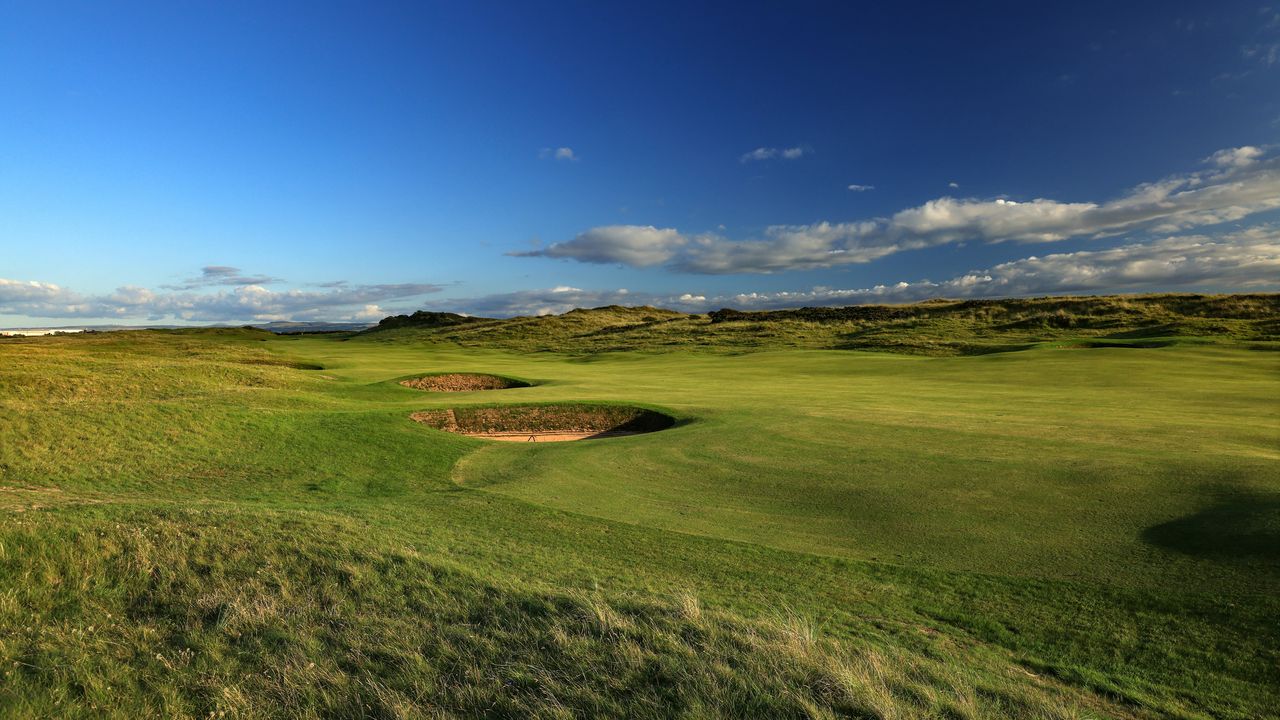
[[546, 423], [462, 382], [549, 436]]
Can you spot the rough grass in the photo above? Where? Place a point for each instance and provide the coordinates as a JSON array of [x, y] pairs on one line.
[[929, 328], [213, 611], [188, 521]]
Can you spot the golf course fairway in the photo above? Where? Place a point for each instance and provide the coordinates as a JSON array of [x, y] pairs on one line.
[[197, 522]]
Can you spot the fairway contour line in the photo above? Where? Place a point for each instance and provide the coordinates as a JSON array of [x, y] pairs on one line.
[[546, 423], [462, 382]]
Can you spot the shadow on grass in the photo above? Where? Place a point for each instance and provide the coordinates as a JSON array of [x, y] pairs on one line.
[[1108, 343], [1237, 525], [1162, 330], [926, 345]]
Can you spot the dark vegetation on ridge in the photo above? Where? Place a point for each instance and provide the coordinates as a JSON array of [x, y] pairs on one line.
[[934, 327], [424, 319]]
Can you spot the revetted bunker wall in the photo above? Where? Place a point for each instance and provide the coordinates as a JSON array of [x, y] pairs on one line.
[[567, 418]]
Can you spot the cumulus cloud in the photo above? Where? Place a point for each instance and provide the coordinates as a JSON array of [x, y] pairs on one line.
[[1244, 260], [371, 312], [772, 153], [27, 290], [1240, 182], [246, 303], [862, 188], [560, 153], [1236, 157]]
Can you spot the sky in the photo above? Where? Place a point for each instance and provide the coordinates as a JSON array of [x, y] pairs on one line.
[[211, 162]]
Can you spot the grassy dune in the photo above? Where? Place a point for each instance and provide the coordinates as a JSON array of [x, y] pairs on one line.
[[194, 523], [937, 327]]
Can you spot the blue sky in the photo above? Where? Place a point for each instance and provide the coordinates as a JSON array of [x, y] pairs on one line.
[[225, 162]]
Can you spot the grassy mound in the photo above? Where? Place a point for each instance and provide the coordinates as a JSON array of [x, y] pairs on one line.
[[552, 418], [462, 382]]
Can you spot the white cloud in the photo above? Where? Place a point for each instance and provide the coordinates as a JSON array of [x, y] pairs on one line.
[[245, 303], [771, 153], [371, 312], [1243, 182], [560, 153], [1236, 157], [759, 154], [953, 185], [29, 291], [1240, 261], [862, 188]]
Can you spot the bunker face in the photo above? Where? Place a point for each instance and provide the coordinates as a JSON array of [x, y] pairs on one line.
[[546, 423], [462, 382]]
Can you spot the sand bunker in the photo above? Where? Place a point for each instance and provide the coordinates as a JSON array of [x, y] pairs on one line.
[[546, 423], [462, 382]]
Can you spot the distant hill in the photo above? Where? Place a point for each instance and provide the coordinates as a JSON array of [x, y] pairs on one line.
[[933, 327]]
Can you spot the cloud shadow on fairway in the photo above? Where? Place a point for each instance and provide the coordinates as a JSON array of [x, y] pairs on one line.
[[1241, 525]]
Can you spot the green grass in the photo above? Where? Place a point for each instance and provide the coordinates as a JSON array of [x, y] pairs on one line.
[[192, 523]]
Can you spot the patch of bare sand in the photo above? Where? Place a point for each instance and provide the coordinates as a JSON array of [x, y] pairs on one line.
[[462, 382], [547, 436]]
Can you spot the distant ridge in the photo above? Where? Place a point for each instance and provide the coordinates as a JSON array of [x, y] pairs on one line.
[[931, 327]]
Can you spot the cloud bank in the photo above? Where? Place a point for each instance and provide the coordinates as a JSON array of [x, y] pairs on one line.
[[1238, 182], [1245, 260], [241, 304]]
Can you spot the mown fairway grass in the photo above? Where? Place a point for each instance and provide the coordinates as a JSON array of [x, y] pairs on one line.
[[188, 524]]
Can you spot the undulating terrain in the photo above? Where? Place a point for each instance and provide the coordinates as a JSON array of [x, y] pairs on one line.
[[1057, 508]]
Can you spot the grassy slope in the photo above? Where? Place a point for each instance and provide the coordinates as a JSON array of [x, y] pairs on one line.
[[1073, 466], [243, 520]]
